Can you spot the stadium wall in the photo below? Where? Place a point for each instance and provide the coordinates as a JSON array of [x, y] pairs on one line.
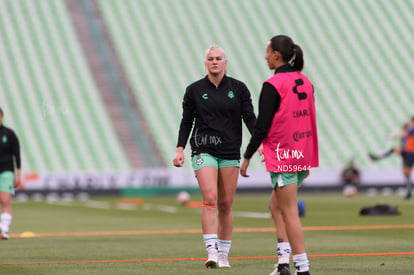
[[356, 54]]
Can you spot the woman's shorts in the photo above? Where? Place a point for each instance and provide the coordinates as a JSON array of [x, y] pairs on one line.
[[204, 159], [408, 159], [7, 182], [282, 179]]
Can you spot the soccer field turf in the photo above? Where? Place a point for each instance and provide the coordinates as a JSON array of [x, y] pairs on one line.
[[105, 236]]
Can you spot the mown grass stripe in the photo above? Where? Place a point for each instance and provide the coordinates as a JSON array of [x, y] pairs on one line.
[[201, 259]]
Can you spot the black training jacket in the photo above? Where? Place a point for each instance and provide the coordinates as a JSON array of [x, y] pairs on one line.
[[9, 150], [216, 114]]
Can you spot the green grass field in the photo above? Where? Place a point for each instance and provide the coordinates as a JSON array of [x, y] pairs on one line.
[[101, 236]]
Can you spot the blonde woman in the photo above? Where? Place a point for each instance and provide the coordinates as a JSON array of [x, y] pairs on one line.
[[213, 110]]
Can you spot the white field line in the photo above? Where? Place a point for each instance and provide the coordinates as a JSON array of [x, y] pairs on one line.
[[256, 215], [97, 204], [126, 206], [162, 208], [167, 208]]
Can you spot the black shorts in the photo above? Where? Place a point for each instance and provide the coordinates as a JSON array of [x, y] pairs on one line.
[[408, 159]]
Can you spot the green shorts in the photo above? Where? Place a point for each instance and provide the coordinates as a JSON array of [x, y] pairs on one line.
[[204, 159], [7, 182], [282, 179]]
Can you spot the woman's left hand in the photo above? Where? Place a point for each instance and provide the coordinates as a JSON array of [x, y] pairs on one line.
[[243, 168]]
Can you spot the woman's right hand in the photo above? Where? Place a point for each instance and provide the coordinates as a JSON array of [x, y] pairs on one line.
[[261, 152]]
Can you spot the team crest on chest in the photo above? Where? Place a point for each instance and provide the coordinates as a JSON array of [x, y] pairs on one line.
[[230, 94], [4, 139]]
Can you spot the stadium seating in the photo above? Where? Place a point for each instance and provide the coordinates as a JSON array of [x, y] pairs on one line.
[[48, 94], [356, 53], [362, 90]]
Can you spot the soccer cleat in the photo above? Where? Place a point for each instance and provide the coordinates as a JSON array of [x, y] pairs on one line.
[[3, 234], [212, 259], [223, 261], [281, 269]]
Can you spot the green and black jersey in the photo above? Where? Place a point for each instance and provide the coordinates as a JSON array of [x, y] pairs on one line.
[[9, 150], [216, 114]]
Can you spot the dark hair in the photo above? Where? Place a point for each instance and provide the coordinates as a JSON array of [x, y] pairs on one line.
[[291, 52]]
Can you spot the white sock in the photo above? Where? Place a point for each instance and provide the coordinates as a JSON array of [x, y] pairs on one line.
[[283, 252], [5, 221], [224, 246], [301, 262], [210, 241]]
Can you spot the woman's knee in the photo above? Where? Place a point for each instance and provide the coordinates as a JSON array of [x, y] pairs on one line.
[[4, 201], [225, 206], [288, 211], [210, 200]]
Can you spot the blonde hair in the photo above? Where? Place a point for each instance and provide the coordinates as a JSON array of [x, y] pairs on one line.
[[213, 48]]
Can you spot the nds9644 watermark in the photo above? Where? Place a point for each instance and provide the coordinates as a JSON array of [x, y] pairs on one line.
[[286, 154]]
